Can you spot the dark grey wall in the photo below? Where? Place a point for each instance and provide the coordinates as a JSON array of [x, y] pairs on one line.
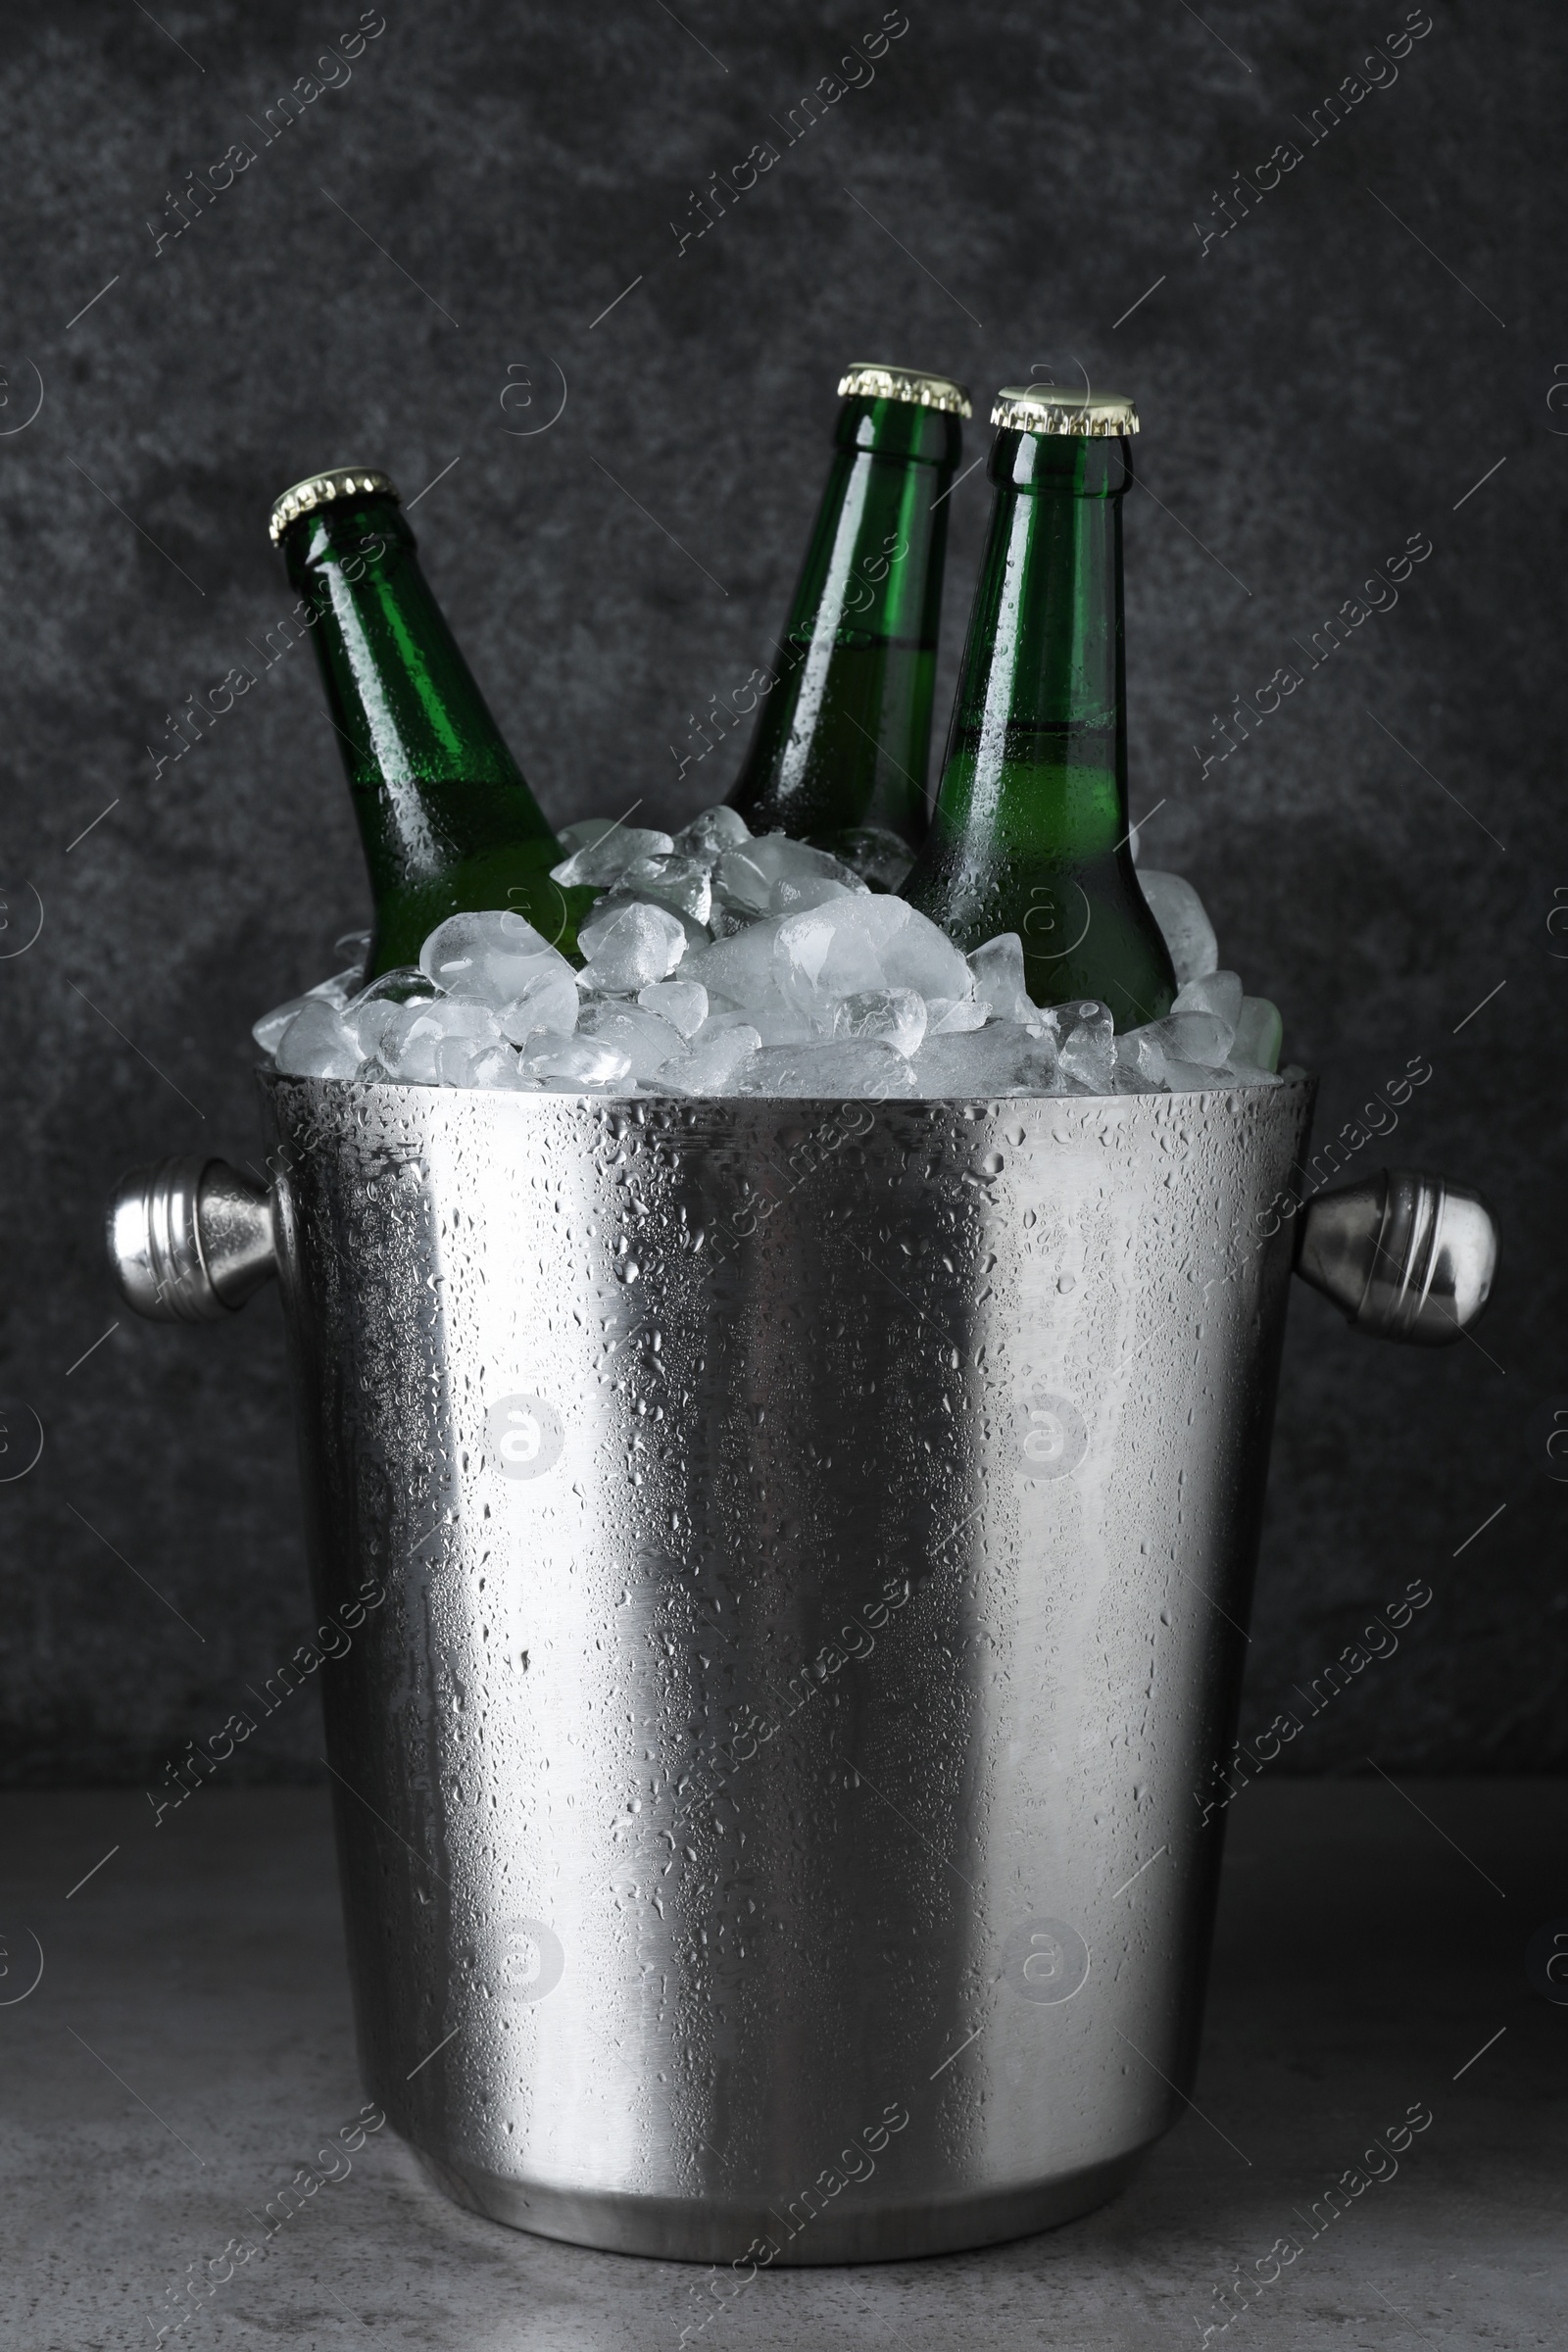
[[1332, 377]]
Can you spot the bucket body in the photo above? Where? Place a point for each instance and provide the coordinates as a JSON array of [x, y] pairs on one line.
[[792, 1559]]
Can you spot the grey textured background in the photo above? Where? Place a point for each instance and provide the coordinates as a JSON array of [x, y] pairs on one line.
[[1330, 377]]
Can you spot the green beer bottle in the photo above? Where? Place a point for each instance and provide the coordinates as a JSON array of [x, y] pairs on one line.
[[448, 822], [1030, 832], [838, 754]]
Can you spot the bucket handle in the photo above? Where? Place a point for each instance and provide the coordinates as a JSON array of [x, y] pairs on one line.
[[190, 1240], [1403, 1255]]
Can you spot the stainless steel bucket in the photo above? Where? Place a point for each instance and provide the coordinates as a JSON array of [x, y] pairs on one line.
[[800, 1554]]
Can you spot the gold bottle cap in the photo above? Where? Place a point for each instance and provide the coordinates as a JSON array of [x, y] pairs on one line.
[[867, 380], [344, 481], [1047, 409]]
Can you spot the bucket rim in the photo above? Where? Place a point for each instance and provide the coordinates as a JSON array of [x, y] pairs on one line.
[[1294, 1080]]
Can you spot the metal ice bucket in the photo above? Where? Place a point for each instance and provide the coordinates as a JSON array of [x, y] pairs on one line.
[[800, 1552]]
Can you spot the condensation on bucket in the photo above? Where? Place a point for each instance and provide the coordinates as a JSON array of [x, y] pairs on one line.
[[815, 1539]]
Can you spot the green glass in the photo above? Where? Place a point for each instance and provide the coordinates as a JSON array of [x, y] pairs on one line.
[[1030, 832], [448, 822], [841, 748]]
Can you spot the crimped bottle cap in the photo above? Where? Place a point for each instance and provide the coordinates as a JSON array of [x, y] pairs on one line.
[[344, 481], [867, 379], [1047, 409]]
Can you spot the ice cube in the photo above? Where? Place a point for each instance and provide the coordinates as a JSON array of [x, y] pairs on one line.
[[792, 893], [1002, 1059], [615, 901], [1259, 1035], [826, 952], [1198, 1037], [855, 943], [719, 1019], [336, 991], [355, 949], [498, 1068], [954, 1016], [906, 950], [1192, 1077], [1140, 1057], [370, 1015], [413, 1035], [271, 1025], [549, 1001], [882, 858], [583, 1060], [775, 1022], [1005, 1057], [1126, 1080], [647, 1041], [781, 1025], [629, 943], [744, 878], [713, 1060], [369, 1024], [317, 1044], [674, 881], [836, 1066], [490, 956], [711, 833], [1087, 1045], [740, 968], [681, 1002], [893, 1016], [999, 982], [400, 986], [1188, 932], [723, 924], [698, 935], [461, 1016], [606, 856], [455, 1057], [1156, 1055], [1218, 993], [919, 955]]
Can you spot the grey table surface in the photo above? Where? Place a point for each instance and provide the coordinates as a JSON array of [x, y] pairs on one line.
[[189, 2044]]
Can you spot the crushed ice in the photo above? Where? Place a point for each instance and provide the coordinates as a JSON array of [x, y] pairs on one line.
[[721, 964]]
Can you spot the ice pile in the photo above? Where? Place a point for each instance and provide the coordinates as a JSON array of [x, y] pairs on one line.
[[722, 963]]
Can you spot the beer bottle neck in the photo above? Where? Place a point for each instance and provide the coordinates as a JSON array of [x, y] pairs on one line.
[[843, 738], [892, 461], [445, 815], [1037, 753], [399, 692]]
